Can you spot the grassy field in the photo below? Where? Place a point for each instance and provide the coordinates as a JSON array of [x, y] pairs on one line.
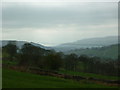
[[89, 75], [15, 79]]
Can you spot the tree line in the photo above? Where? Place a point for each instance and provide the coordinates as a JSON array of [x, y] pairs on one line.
[[33, 56]]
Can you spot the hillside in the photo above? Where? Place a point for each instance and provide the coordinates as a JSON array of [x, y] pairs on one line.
[[21, 43], [103, 52], [101, 47], [88, 43]]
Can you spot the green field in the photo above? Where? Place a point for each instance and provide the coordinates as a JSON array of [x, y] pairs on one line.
[[15, 79], [0, 78]]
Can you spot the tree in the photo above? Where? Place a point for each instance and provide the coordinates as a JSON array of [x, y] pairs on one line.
[[30, 55], [52, 61], [85, 59], [10, 50], [71, 62]]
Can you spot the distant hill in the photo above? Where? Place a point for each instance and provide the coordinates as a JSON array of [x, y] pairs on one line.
[[88, 43], [105, 47], [21, 43], [103, 52]]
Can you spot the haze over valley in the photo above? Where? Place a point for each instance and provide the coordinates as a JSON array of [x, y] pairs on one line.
[[105, 47]]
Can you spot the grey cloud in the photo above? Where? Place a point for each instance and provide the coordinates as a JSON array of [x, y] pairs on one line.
[[22, 16]]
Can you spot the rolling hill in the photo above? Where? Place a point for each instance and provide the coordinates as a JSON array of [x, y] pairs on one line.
[[105, 47], [88, 43], [19, 44], [103, 52]]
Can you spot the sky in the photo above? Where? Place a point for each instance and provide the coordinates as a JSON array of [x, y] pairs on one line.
[[53, 22]]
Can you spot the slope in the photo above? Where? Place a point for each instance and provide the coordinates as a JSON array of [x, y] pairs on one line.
[[103, 52]]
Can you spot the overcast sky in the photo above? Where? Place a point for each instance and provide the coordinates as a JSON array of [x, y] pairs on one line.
[[53, 23]]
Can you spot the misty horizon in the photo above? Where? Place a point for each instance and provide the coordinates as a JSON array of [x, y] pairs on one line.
[[60, 43]]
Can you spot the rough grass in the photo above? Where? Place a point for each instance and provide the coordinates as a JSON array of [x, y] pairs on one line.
[[15, 79]]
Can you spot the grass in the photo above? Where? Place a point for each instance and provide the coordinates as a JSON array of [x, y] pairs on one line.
[[89, 75], [0, 78], [15, 79]]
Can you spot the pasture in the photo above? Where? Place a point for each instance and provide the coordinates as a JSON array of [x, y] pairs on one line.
[[15, 79]]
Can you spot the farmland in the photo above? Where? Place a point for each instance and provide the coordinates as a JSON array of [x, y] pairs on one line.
[[15, 79]]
